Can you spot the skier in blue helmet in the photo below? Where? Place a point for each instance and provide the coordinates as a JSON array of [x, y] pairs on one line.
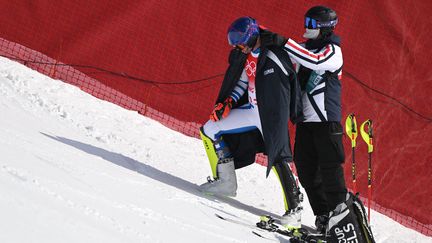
[[258, 96]]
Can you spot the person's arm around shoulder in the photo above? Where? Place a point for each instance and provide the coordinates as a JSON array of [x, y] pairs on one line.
[[329, 58]]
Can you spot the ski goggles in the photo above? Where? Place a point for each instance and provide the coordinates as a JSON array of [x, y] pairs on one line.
[[311, 23], [250, 43]]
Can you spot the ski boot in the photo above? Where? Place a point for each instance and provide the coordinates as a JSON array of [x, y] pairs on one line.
[[226, 182], [292, 219]]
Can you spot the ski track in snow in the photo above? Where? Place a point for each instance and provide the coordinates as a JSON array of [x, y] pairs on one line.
[[79, 169]]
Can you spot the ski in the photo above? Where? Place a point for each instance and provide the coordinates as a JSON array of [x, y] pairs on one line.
[[253, 227], [268, 224], [300, 235]]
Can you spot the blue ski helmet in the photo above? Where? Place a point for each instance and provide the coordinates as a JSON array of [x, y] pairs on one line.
[[243, 31]]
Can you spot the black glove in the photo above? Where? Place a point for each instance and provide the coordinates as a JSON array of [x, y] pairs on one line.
[[269, 38]]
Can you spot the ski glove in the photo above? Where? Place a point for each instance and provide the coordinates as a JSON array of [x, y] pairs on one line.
[[221, 110], [269, 38]]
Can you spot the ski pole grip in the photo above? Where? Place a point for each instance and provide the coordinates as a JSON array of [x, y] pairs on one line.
[[351, 128], [367, 135]]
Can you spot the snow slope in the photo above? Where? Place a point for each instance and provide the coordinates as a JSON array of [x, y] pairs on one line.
[[77, 169]]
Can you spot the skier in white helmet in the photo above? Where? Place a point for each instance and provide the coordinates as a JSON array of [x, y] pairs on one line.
[[318, 151], [258, 96]]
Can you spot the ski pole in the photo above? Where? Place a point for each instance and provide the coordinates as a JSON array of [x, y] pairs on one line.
[[367, 137], [351, 130]]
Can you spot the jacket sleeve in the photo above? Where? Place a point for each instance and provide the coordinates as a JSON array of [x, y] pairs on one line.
[[328, 59]]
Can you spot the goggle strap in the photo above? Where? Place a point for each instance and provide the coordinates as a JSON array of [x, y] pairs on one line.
[[310, 22]]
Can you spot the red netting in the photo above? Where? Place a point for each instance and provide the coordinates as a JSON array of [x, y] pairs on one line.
[[166, 59]]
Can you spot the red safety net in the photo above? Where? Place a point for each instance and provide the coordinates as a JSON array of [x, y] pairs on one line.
[[166, 59]]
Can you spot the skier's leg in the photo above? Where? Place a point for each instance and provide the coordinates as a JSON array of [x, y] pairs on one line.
[[291, 193], [306, 161], [240, 120], [210, 151], [331, 157], [222, 166], [333, 183]]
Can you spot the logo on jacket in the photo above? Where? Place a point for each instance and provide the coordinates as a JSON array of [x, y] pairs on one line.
[[268, 71], [250, 68]]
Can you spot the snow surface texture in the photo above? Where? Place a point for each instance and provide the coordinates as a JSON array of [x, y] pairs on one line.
[[74, 168]]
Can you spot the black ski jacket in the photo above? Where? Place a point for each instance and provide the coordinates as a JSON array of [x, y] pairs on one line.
[[279, 99]]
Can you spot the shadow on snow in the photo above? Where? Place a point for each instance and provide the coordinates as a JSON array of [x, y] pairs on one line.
[[155, 174]]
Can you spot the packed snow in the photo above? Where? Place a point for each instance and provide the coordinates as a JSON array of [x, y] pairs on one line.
[[74, 168]]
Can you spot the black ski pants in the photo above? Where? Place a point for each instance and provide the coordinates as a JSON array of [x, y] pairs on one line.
[[319, 155]]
